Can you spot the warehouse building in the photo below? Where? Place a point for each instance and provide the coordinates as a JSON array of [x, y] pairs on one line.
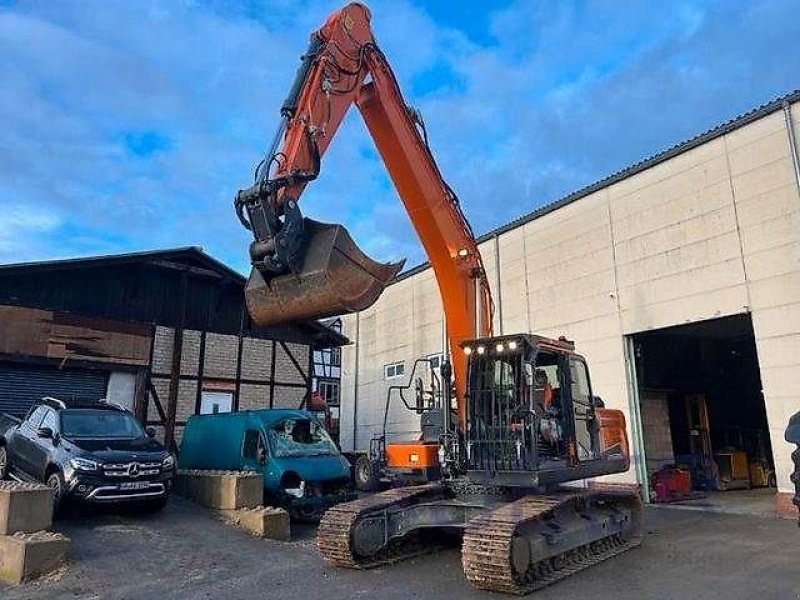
[[679, 280], [164, 333]]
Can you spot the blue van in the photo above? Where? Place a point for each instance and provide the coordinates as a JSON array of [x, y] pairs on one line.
[[302, 468]]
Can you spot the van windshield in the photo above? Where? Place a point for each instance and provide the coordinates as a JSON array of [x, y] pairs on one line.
[[299, 437]]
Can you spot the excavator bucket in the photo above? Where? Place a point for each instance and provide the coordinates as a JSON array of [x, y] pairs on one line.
[[336, 278]]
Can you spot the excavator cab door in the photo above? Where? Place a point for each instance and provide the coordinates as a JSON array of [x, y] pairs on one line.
[[335, 278]]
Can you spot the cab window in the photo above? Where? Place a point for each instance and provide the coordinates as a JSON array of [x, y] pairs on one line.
[[50, 420], [581, 407], [35, 417]]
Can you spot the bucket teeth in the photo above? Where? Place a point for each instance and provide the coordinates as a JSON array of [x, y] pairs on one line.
[[336, 278]]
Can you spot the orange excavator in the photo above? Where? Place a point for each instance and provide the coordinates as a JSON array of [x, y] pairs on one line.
[[519, 420]]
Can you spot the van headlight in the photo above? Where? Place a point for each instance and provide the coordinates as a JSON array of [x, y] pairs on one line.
[[168, 462], [296, 492], [83, 464]]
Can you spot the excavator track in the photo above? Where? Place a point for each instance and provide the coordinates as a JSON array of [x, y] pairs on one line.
[[335, 535], [494, 541]]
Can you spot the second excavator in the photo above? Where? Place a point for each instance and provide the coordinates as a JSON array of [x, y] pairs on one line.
[[520, 418]]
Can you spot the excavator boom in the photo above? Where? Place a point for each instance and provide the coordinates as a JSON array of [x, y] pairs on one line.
[[303, 269]]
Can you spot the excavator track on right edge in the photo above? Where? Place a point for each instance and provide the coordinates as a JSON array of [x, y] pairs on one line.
[[525, 545]]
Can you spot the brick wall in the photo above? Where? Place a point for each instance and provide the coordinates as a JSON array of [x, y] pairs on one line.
[[285, 370], [256, 358], [220, 360]]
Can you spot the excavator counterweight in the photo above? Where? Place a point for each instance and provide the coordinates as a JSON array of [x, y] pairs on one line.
[[335, 278]]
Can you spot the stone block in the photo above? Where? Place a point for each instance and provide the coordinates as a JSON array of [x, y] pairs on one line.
[[24, 556], [266, 522], [25, 507], [221, 490]]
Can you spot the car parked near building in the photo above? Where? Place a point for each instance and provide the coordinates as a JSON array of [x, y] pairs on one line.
[[302, 468], [93, 452]]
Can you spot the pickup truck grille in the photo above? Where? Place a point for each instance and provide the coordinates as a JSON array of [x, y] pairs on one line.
[[132, 470]]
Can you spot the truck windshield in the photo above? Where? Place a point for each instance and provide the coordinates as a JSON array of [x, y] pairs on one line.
[[299, 437], [99, 424]]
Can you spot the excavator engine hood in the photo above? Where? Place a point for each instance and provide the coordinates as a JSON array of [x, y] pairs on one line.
[[336, 278]]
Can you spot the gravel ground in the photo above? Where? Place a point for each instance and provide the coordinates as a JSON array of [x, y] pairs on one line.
[[185, 553]]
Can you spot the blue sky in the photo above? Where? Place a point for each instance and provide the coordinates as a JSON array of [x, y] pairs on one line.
[[130, 125]]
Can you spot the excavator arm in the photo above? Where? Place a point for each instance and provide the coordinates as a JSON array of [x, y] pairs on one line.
[[304, 269]]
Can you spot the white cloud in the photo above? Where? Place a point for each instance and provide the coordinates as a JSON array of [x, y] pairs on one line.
[[25, 232], [562, 95]]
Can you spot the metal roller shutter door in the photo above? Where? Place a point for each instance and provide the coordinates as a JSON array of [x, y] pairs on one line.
[[22, 385]]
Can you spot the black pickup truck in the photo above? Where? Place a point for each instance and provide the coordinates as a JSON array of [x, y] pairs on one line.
[[92, 452]]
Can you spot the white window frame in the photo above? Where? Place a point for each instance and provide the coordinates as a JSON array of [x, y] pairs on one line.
[[390, 370], [436, 355]]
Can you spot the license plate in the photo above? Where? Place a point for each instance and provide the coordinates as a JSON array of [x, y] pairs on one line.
[[134, 485]]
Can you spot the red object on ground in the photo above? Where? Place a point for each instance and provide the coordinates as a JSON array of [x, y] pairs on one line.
[[670, 484]]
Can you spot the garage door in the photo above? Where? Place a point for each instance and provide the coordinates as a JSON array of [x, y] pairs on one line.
[[22, 385]]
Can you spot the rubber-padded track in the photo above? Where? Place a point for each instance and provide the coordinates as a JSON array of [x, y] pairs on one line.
[[486, 551], [335, 532]]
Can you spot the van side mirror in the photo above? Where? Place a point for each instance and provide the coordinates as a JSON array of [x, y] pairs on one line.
[[151, 432]]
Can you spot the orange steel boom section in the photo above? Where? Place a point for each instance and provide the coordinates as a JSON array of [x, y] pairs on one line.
[[347, 56]]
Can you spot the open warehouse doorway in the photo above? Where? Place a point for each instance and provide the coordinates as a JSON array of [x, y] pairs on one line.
[[703, 420]]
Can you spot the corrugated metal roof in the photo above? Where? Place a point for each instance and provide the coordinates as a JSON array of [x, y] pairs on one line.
[[651, 161]]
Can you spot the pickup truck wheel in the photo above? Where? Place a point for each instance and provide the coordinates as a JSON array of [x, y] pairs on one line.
[[55, 481], [367, 474], [3, 463]]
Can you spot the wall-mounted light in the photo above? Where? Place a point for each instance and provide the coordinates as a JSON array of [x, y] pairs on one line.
[[463, 252]]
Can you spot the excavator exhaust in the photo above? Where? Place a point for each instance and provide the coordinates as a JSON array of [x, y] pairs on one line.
[[335, 278]]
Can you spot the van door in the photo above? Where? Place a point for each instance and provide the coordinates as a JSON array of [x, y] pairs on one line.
[[254, 450]]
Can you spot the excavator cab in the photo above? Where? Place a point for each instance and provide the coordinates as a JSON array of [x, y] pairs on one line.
[[532, 418], [333, 277]]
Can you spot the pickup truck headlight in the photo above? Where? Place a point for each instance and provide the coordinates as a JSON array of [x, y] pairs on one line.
[[83, 464], [168, 462]]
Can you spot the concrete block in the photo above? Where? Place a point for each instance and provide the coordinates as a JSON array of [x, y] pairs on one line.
[[25, 507], [222, 490], [25, 556], [265, 522]]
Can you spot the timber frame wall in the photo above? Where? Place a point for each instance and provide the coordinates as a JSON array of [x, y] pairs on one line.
[[258, 372]]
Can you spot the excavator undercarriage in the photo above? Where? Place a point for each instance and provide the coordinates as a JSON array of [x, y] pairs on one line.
[[514, 541]]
